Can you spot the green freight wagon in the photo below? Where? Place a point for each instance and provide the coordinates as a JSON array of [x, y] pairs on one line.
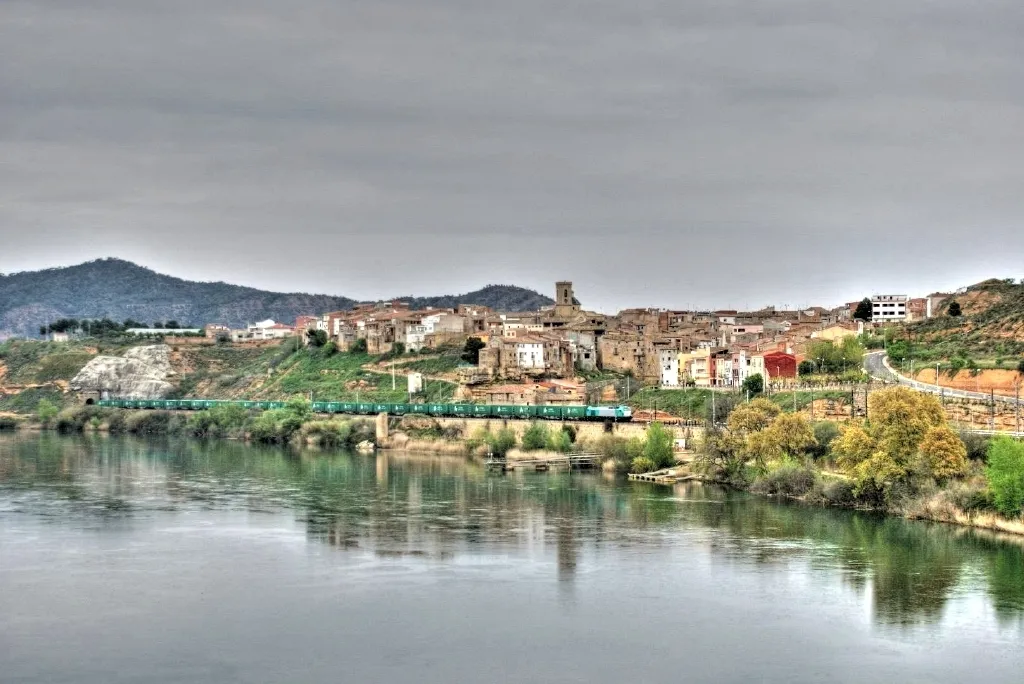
[[550, 412], [574, 412], [462, 410]]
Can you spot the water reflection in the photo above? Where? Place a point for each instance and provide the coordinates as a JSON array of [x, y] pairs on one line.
[[440, 508]]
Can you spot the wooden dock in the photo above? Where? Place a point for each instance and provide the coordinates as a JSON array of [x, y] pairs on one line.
[[667, 476], [567, 462]]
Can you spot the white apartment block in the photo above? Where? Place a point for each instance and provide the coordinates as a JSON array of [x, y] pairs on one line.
[[669, 363], [530, 354], [889, 308]]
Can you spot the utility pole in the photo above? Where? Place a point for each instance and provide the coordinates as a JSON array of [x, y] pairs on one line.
[[992, 400], [392, 374], [714, 416], [1016, 397]]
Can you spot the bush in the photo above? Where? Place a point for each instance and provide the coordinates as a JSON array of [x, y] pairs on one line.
[[754, 384], [642, 464], [835, 492], [117, 423], [8, 423], [786, 479], [560, 442], [149, 423], [1005, 474], [329, 434], [503, 442], [358, 347], [46, 411], [825, 433], [977, 445], [659, 446], [536, 437]]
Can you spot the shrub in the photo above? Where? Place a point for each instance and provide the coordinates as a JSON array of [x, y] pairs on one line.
[[327, 433], [503, 442], [46, 411], [977, 445], [118, 422], [1005, 474], [536, 437], [8, 423], [642, 464], [839, 493], [658, 447], [825, 433], [72, 420], [560, 441], [358, 347], [149, 423], [787, 478]]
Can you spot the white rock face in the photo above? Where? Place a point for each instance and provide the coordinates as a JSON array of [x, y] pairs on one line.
[[140, 374]]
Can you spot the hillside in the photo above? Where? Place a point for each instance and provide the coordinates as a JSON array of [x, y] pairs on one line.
[[117, 289], [991, 327]]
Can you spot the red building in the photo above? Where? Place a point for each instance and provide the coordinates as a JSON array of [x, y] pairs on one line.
[[304, 323], [780, 365]]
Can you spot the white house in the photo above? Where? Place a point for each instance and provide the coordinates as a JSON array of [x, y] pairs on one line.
[[889, 308], [668, 360], [530, 353], [415, 336], [269, 330]]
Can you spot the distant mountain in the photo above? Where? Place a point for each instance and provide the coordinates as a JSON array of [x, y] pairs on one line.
[[117, 289]]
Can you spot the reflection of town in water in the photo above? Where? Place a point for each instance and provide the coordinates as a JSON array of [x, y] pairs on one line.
[[422, 508]]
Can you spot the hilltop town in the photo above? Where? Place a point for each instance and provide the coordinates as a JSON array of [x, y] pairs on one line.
[[522, 355]]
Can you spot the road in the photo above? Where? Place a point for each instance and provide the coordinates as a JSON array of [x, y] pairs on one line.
[[877, 367]]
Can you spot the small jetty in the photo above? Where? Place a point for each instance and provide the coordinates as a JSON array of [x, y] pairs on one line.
[[541, 464], [667, 476]]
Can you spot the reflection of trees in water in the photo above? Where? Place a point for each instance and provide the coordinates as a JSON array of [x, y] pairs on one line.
[[397, 504]]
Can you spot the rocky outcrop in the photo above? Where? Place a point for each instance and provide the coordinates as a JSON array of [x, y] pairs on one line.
[[141, 373]]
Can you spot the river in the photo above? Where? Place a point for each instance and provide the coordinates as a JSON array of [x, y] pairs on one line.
[[178, 561]]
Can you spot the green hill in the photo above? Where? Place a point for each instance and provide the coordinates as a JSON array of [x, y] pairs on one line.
[[119, 290]]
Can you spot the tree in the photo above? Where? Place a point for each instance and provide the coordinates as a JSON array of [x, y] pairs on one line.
[[358, 347], [906, 433], [954, 309], [753, 417], [754, 384], [863, 310], [471, 352], [1020, 367], [535, 437], [43, 331], [806, 368], [944, 453], [1005, 474], [793, 433], [659, 446], [46, 411], [316, 338], [172, 325]]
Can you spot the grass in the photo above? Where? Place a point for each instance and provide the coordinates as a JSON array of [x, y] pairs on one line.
[[26, 401], [435, 365], [685, 403], [33, 362]]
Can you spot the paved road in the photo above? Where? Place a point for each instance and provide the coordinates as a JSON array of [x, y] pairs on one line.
[[875, 365]]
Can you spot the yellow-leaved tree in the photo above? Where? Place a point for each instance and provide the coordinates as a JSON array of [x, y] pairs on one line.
[[905, 435]]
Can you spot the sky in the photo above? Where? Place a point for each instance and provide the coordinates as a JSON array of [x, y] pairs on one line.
[[675, 153]]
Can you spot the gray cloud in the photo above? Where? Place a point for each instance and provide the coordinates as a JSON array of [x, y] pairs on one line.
[[664, 153]]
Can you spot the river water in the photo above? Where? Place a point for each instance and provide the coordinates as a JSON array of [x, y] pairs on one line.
[[178, 561]]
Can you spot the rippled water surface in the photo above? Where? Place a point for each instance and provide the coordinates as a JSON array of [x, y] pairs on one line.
[[131, 561]]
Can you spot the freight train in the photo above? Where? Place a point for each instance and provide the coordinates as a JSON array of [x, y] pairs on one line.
[[613, 413]]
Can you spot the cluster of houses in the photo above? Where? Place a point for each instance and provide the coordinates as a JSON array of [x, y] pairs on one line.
[[525, 353]]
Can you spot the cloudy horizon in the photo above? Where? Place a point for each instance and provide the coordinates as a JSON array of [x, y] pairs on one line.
[[691, 154]]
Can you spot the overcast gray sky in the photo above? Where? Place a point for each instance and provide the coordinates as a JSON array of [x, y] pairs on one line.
[[657, 152]]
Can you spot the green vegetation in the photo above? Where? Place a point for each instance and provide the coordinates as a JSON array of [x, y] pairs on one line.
[[1005, 474], [434, 365], [863, 312], [954, 309], [8, 423], [754, 384], [471, 352], [829, 357], [46, 411]]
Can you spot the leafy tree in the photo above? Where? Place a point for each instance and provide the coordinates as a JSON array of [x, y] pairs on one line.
[[43, 330], [1005, 474], [906, 433], [753, 417], [954, 309], [132, 323], [471, 351], [944, 454], [535, 437], [172, 325], [561, 441], [503, 442], [358, 347], [754, 384], [863, 310], [329, 349], [825, 432], [46, 410], [793, 433], [806, 368], [316, 338], [659, 446]]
